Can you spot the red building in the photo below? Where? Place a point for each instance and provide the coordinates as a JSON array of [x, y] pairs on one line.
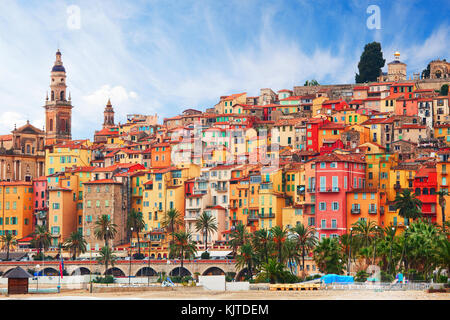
[[40, 198], [312, 133], [406, 106], [425, 185], [335, 105], [335, 174]]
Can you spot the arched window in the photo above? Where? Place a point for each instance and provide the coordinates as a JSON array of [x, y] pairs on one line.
[[63, 125], [62, 95], [51, 123], [425, 191], [53, 95], [28, 148], [417, 192]]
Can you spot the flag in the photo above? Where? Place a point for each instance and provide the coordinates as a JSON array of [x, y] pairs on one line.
[[61, 266]]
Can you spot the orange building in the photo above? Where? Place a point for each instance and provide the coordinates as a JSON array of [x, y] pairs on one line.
[[16, 208], [364, 204], [161, 153]]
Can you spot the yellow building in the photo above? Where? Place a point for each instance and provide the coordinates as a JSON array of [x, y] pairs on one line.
[[16, 208], [271, 198], [442, 131], [317, 105], [66, 155], [225, 106]]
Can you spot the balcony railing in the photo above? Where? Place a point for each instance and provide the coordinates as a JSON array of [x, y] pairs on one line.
[[266, 215], [372, 210], [333, 189], [356, 210], [252, 218], [329, 227], [311, 190]]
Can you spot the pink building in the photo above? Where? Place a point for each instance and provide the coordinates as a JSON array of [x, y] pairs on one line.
[[40, 198], [335, 174]]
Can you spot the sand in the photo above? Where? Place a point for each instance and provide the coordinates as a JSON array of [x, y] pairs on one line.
[[190, 294]]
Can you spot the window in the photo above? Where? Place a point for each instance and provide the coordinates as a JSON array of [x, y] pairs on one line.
[[322, 206], [335, 206]]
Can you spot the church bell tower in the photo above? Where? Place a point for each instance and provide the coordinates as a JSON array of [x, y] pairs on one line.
[[58, 109]]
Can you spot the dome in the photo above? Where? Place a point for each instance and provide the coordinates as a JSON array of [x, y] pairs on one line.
[[57, 68]]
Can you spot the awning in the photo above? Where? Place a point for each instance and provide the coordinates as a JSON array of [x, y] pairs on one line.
[[219, 254]]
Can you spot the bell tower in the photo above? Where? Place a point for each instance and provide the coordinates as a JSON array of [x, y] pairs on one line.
[[58, 109], [108, 115]]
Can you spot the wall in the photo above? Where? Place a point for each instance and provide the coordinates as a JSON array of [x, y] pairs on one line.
[[216, 283]]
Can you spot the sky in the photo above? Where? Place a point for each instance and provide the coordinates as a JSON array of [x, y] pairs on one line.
[[166, 56]]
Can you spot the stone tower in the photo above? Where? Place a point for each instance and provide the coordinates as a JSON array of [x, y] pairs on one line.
[[58, 109], [108, 115]]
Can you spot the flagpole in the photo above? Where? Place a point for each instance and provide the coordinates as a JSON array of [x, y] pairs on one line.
[[60, 269]]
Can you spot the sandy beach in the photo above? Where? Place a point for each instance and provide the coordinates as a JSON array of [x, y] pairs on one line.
[[190, 294]]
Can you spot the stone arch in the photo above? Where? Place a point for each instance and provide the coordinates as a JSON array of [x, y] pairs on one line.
[[180, 271], [241, 275], [80, 271], [213, 271], [116, 272], [146, 271], [49, 271]]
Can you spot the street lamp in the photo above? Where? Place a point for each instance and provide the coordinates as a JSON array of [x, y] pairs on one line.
[[37, 278], [149, 253], [390, 251], [349, 252], [375, 244], [129, 273]]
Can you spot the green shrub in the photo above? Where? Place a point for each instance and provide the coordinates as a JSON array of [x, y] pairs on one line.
[[138, 256], [361, 276], [442, 279], [106, 279], [386, 277], [205, 255], [316, 276]]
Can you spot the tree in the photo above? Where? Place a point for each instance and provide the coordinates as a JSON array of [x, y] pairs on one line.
[[76, 243], [136, 221], [246, 258], [8, 240], [41, 238], [442, 202], [279, 238], [370, 63], [426, 72], [106, 257], [365, 232], [306, 240], [105, 229], [183, 246], [262, 244], [444, 90], [408, 205], [292, 253], [238, 236], [272, 270], [171, 221], [311, 83], [207, 224], [328, 256]]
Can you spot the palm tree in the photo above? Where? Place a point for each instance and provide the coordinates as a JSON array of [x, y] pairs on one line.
[[171, 221], [262, 243], [306, 240], [183, 246], [136, 221], [279, 237], [239, 236], [246, 258], [106, 257], [41, 238], [442, 202], [207, 224], [8, 240], [292, 252], [76, 243], [328, 256], [390, 235], [105, 229], [365, 232], [408, 205], [272, 270]]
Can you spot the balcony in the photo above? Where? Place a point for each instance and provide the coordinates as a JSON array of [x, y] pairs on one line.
[[266, 186], [221, 189], [311, 190], [356, 211], [329, 228], [444, 172], [372, 210], [252, 218], [333, 189], [263, 216]]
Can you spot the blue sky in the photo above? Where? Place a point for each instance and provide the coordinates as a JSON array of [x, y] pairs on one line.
[[165, 56]]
